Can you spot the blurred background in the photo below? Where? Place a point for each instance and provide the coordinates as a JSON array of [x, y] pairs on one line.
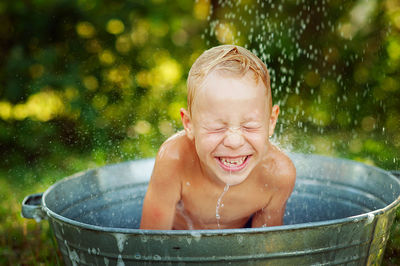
[[90, 82]]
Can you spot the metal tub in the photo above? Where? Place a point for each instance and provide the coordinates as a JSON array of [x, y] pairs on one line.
[[340, 212]]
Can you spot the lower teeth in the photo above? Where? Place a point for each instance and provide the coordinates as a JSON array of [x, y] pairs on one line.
[[233, 164]]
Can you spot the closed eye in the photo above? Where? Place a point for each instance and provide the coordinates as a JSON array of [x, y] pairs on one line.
[[217, 130], [251, 128]]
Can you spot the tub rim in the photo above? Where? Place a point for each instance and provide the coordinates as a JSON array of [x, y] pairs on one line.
[[135, 231]]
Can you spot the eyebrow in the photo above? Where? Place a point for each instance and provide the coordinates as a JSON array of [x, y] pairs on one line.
[[214, 124], [252, 117]]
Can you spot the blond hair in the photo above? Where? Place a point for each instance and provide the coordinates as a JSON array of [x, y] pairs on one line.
[[231, 59]]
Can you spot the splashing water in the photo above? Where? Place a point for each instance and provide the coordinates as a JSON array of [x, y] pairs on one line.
[[265, 224], [317, 54], [219, 205]]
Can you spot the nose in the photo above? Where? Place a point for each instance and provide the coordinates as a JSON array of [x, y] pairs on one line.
[[233, 138]]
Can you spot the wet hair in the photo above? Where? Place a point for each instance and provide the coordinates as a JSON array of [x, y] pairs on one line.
[[228, 59]]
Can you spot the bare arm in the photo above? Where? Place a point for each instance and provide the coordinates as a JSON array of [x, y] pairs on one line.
[[272, 214], [163, 193]]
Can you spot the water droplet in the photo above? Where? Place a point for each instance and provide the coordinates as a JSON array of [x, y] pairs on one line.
[[217, 215], [120, 262], [370, 218], [121, 240]]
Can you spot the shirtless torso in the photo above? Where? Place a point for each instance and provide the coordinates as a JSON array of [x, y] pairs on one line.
[[181, 196]]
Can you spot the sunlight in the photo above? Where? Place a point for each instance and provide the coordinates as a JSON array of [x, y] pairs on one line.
[[115, 26], [201, 9], [5, 110], [42, 106], [85, 29]]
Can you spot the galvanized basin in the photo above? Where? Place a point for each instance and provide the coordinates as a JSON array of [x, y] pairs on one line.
[[340, 212]]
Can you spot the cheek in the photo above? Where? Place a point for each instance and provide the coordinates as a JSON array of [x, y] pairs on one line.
[[207, 143], [257, 140]]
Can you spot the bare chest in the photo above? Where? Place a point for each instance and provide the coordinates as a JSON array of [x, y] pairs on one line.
[[210, 207]]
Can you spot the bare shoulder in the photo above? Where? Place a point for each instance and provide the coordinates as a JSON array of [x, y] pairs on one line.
[[174, 153], [174, 147], [283, 170], [170, 161]]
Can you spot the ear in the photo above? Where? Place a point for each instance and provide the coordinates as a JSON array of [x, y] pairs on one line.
[[187, 123], [273, 118]]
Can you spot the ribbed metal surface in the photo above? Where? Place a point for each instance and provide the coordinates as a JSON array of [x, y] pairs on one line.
[[339, 213]]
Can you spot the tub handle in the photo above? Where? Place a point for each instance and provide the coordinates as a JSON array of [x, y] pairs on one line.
[[32, 207]]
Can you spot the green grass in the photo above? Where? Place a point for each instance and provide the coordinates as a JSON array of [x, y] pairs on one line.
[[24, 241]]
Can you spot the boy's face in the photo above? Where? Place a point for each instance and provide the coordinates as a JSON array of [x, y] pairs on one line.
[[230, 125]]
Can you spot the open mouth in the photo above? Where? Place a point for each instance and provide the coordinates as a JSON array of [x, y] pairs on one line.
[[233, 164]]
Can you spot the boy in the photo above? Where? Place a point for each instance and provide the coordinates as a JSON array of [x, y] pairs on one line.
[[221, 171]]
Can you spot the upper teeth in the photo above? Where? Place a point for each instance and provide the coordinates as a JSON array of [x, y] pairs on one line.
[[231, 162]]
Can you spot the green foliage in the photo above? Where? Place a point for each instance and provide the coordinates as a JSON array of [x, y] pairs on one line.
[[80, 76]]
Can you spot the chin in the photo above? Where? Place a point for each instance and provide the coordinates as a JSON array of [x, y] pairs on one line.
[[232, 179]]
